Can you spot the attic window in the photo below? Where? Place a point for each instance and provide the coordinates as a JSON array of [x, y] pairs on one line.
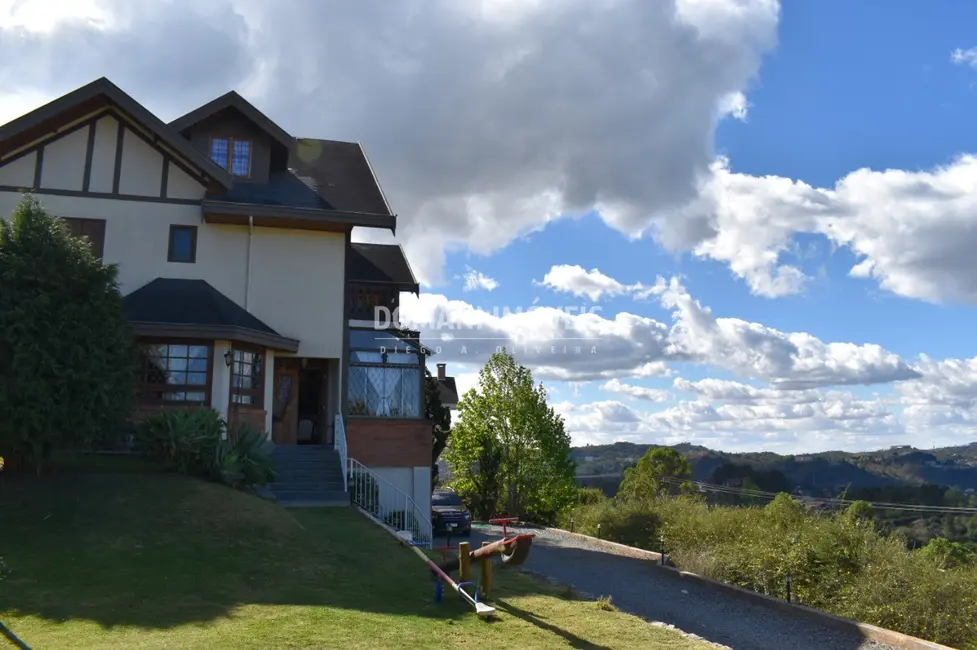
[[232, 154]]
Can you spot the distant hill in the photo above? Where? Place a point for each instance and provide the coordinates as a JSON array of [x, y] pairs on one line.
[[829, 471]]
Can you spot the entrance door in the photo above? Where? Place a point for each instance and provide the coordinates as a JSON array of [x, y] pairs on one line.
[[285, 419], [310, 427]]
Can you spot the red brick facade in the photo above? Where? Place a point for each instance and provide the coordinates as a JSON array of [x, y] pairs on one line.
[[384, 442], [254, 417]]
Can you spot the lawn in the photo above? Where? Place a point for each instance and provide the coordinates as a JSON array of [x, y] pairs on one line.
[[135, 560]]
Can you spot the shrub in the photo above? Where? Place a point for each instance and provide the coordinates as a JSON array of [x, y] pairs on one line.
[[837, 563], [195, 442], [243, 459], [67, 352], [186, 440], [589, 496]]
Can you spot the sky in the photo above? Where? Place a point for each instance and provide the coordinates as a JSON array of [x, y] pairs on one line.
[[739, 223]]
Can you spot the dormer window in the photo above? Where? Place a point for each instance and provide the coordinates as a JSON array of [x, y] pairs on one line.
[[232, 154]]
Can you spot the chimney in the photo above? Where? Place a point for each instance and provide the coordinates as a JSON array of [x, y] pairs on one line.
[[441, 373]]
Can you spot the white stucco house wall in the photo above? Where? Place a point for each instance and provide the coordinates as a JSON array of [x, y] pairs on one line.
[[233, 240]]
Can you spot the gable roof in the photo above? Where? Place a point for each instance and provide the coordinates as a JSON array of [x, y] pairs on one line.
[[341, 174], [448, 391], [246, 108], [92, 96], [171, 306], [380, 264]]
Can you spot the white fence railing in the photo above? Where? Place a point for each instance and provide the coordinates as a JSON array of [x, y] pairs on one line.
[[387, 502], [339, 444]]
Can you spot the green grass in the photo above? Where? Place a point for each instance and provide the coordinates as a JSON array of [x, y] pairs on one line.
[[101, 560]]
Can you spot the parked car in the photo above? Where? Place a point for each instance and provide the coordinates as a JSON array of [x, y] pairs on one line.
[[449, 514]]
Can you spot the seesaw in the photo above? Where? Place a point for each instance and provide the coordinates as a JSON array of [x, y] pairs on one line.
[[513, 550]]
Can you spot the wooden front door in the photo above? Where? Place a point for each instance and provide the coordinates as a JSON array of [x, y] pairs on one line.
[[285, 416]]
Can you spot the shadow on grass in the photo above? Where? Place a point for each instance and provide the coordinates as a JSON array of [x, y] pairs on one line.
[[158, 551], [574, 640]]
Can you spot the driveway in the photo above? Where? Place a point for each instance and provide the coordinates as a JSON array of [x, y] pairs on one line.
[[638, 588]]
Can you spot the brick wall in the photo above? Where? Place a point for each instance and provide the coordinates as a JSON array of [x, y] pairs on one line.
[[252, 416], [385, 442]]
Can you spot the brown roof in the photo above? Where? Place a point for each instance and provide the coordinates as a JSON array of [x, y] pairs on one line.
[[91, 97], [380, 264], [448, 391], [341, 174]]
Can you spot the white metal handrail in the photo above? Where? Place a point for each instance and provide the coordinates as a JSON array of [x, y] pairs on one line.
[[339, 444], [387, 502]]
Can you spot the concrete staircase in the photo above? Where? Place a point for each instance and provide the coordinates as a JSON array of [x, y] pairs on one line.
[[308, 475]]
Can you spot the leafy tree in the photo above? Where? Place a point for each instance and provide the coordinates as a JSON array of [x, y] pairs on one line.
[[67, 353], [510, 451], [440, 417], [655, 471]]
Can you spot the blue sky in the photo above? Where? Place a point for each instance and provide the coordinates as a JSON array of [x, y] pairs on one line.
[[773, 204]]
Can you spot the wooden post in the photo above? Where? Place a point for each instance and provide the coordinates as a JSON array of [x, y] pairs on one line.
[[486, 573], [464, 562]]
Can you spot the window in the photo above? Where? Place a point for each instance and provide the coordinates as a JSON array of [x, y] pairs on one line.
[[91, 229], [247, 378], [175, 373], [232, 154], [384, 375], [183, 244]]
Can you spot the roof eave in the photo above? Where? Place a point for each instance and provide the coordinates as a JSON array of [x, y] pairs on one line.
[[361, 219], [216, 332], [234, 100]]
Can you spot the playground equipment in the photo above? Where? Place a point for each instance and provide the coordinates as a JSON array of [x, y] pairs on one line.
[[514, 550]]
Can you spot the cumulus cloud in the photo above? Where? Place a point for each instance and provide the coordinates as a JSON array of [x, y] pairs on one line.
[[484, 120], [637, 392], [575, 280], [478, 281], [966, 57], [561, 344]]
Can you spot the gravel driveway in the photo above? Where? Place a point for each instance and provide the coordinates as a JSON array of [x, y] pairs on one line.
[[650, 593]]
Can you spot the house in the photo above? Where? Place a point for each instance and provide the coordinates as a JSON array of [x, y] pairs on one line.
[[447, 390], [233, 240]]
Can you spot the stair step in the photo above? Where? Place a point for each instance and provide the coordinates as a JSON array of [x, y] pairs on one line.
[[311, 495], [310, 486]]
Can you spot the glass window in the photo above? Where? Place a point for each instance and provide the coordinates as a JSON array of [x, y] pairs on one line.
[[232, 154], [183, 244], [446, 499], [385, 391], [247, 378], [175, 373], [368, 356], [241, 158], [219, 148], [372, 339]]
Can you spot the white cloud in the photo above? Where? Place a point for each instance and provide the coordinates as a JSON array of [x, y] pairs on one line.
[[476, 280], [637, 392], [965, 57], [496, 116], [575, 280], [562, 345]]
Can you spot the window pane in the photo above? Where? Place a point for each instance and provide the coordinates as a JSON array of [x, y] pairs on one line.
[[241, 158], [177, 378], [384, 391], [196, 378], [198, 365], [196, 397], [181, 245], [218, 151], [372, 339], [199, 352], [174, 397], [175, 350], [175, 363], [398, 358]]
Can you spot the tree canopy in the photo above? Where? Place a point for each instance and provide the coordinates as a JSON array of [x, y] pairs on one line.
[[654, 473], [439, 416], [510, 452], [67, 353]]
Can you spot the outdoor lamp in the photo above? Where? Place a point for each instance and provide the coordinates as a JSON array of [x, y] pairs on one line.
[[228, 358]]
